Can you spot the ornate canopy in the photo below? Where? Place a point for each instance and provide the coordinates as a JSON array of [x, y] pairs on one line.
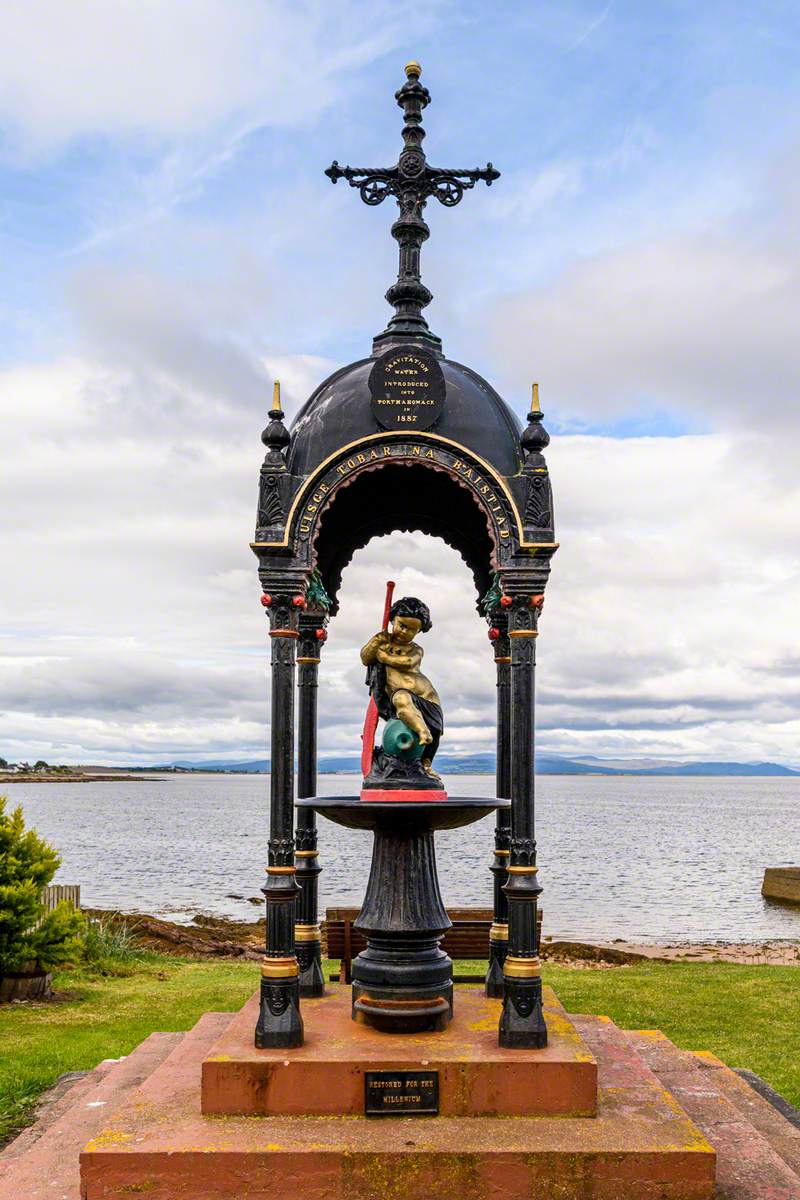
[[343, 479], [405, 439]]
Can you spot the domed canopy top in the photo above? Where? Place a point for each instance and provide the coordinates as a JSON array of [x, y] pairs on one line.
[[339, 413]]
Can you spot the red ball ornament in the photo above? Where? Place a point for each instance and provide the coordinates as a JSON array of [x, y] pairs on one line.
[[299, 601], [494, 634], [537, 601], [266, 599], [506, 601], [322, 635]]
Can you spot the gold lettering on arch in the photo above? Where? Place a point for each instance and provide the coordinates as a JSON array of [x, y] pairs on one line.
[[362, 456]]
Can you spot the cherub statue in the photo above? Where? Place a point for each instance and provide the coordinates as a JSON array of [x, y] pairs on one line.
[[395, 681]]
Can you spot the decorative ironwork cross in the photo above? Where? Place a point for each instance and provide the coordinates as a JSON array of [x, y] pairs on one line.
[[412, 182]]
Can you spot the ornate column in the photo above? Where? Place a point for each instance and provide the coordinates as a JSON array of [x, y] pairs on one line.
[[498, 934], [280, 1022], [306, 931], [522, 1021]]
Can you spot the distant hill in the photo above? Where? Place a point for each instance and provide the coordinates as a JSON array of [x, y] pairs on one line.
[[484, 764]]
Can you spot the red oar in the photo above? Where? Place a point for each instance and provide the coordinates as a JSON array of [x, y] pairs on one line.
[[371, 719]]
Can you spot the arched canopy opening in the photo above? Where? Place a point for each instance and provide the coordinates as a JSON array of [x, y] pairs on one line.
[[458, 656], [405, 497]]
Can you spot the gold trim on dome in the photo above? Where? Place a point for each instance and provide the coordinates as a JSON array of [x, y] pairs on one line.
[[405, 435]]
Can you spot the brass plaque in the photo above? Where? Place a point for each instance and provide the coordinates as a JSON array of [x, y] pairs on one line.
[[401, 1093]]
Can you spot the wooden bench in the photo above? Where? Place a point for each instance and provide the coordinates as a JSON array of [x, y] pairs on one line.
[[467, 939]]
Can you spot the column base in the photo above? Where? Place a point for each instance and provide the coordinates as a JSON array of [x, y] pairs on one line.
[[385, 1010], [522, 1025], [309, 960], [494, 985], [280, 1025]]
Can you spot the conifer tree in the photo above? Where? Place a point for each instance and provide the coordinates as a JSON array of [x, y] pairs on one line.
[[27, 932]]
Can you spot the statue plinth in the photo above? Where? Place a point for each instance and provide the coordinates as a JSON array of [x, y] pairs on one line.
[[403, 980]]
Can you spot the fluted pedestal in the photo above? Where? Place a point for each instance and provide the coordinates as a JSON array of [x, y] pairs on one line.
[[403, 980]]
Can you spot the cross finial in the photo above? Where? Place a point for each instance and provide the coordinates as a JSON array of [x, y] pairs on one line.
[[412, 182]]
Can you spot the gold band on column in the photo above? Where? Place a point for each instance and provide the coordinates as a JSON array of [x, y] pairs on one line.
[[498, 931], [522, 870], [306, 853], [523, 633], [280, 870], [307, 933], [522, 968], [502, 853], [279, 968]]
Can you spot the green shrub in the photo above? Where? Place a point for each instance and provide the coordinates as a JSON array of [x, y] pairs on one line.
[[27, 932], [108, 943]]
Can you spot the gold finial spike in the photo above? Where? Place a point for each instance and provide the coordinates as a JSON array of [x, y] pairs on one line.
[[413, 68], [276, 396], [535, 398]]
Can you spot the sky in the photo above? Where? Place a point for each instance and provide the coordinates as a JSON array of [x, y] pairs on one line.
[[170, 246]]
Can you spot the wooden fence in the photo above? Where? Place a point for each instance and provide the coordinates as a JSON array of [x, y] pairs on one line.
[[61, 891]]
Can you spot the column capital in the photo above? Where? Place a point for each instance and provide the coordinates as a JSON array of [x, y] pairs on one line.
[[313, 635], [283, 606]]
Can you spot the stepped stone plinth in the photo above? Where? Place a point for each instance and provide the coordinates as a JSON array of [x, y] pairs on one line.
[[664, 1115], [325, 1076], [315, 1141]]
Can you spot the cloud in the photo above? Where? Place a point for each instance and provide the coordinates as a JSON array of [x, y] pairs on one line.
[[181, 69], [133, 632], [129, 599], [527, 193], [702, 326]]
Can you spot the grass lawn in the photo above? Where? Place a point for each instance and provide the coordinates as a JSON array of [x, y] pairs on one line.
[[747, 1015]]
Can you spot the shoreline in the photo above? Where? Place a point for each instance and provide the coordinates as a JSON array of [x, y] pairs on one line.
[[148, 774], [224, 937], [43, 778]]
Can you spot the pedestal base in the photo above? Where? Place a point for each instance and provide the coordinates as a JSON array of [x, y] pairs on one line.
[[402, 795], [325, 1076], [403, 981], [421, 1013]]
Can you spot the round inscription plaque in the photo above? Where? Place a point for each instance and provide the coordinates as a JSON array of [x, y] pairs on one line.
[[407, 389]]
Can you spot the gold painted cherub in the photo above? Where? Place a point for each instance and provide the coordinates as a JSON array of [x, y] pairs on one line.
[[398, 686]]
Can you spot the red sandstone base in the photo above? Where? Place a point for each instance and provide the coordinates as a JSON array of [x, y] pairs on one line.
[[640, 1146], [325, 1076]]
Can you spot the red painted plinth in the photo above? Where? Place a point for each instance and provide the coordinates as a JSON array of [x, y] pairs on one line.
[[407, 795], [325, 1076]]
